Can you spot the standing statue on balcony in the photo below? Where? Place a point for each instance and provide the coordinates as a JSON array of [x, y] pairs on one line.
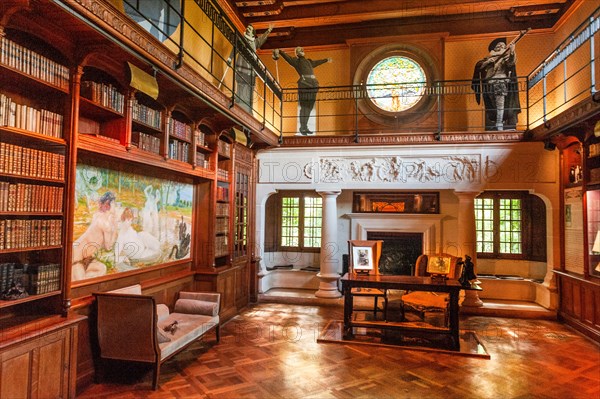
[[308, 85], [245, 76], [495, 78]]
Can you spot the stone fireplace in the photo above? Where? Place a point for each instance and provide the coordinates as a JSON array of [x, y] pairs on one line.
[[399, 252], [405, 237]]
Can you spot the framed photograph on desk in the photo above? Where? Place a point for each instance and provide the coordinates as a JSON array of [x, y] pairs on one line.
[[364, 256], [439, 265]]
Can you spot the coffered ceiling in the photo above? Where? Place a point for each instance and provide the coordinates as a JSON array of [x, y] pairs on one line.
[[332, 22]]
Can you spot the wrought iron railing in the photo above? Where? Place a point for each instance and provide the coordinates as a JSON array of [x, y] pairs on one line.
[[566, 77], [202, 36]]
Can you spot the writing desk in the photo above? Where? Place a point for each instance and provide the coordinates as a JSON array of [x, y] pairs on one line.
[[409, 283]]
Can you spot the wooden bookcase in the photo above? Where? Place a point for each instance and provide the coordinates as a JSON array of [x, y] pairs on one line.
[[34, 99], [579, 284], [591, 173], [74, 105]]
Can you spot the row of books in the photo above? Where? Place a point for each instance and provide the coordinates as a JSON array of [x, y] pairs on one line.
[[25, 161], [222, 226], [33, 64], [221, 247], [179, 129], [147, 115], [104, 94], [594, 150], [222, 209], [223, 148], [20, 197], [222, 174], [146, 142], [179, 150], [35, 278], [29, 233], [7, 275], [43, 278], [200, 138], [222, 193], [29, 118]]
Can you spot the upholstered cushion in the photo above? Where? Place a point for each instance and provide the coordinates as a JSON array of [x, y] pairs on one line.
[[424, 300], [193, 306], [162, 312], [189, 328], [161, 336]]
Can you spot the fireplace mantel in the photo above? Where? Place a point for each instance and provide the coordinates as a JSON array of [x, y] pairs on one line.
[[429, 225]]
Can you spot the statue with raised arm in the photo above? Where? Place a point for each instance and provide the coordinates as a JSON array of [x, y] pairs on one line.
[[495, 79], [245, 76], [308, 85]]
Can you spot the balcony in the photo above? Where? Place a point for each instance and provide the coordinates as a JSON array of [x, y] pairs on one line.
[[447, 110]]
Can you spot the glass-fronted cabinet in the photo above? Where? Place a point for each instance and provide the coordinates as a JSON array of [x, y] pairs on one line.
[[592, 204]]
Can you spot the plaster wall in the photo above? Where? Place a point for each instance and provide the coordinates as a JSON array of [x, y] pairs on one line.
[[445, 168]]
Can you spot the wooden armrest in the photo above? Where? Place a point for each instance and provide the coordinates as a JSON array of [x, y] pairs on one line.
[[126, 327]]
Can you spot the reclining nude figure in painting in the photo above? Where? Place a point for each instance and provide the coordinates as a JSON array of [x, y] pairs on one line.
[[100, 234], [132, 245]]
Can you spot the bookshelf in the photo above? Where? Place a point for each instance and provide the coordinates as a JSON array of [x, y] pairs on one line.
[[179, 131], [223, 201], [66, 104], [147, 130], [202, 151], [101, 105], [34, 94]]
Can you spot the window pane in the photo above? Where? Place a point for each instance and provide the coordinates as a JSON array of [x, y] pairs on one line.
[[484, 224], [510, 226], [290, 223], [312, 221]]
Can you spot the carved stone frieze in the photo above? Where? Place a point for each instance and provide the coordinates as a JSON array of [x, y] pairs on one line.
[[396, 169]]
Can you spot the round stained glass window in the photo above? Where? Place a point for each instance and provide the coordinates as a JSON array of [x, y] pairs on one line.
[[396, 84]]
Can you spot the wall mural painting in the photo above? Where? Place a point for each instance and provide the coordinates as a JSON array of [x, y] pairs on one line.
[[125, 221]]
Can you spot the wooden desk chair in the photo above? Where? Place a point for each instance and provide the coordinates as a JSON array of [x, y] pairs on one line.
[[422, 302], [364, 257]]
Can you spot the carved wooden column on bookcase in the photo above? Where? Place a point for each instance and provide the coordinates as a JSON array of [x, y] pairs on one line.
[[128, 114], [71, 136], [164, 151]]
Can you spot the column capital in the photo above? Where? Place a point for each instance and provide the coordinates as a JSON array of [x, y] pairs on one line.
[[329, 193], [466, 194]]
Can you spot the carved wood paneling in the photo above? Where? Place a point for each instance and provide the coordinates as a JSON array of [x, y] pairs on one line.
[[580, 304]]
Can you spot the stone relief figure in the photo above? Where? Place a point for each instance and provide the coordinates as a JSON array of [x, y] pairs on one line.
[[395, 169]]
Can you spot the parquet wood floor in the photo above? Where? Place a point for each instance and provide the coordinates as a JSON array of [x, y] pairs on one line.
[[270, 351]]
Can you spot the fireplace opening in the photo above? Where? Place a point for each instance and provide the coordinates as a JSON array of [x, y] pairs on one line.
[[399, 252]]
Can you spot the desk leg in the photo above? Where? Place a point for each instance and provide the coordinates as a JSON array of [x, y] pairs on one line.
[[454, 327], [348, 306]]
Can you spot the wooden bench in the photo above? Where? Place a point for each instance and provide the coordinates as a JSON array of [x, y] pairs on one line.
[[132, 327]]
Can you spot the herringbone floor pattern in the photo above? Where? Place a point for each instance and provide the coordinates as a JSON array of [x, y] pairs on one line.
[[271, 351]]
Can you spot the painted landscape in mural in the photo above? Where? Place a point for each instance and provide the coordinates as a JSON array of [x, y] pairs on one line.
[[125, 221]]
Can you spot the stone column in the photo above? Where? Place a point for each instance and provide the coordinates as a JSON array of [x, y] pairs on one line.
[[330, 254], [467, 238]]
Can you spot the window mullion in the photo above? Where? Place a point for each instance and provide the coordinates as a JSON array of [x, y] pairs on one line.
[[301, 223], [496, 223]]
